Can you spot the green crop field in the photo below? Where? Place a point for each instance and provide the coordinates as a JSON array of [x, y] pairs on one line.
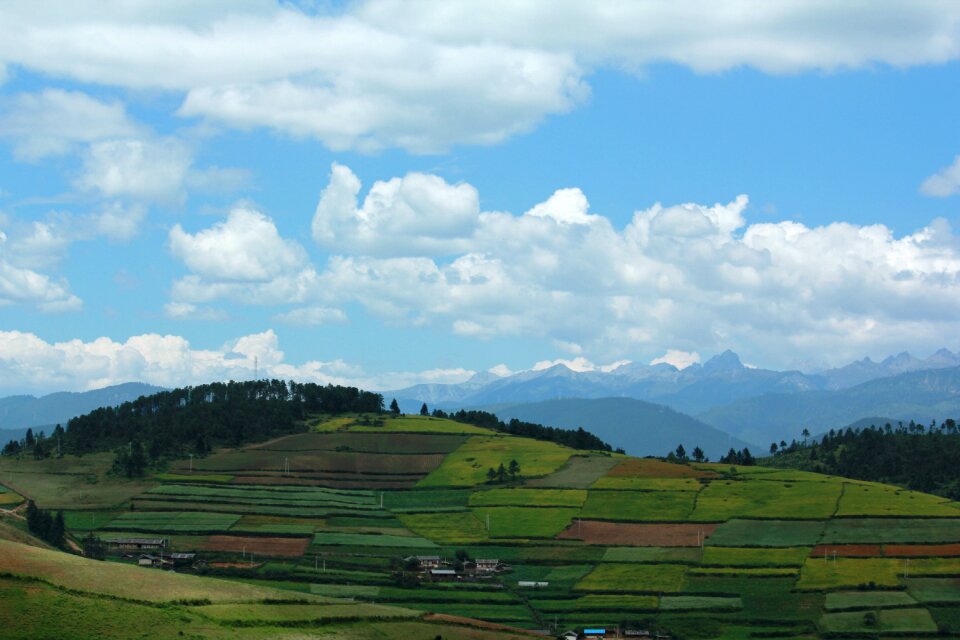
[[769, 598], [446, 528], [660, 578], [820, 574], [638, 506], [766, 533], [426, 500], [884, 621], [595, 602], [755, 557], [270, 493], [525, 522], [848, 600], [935, 590], [891, 530], [880, 500], [685, 555], [468, 465], [724, 499], [194, 477], [367, 540], [759, 572], [87, 520], [528, 498], [691, 603], [172, 521]]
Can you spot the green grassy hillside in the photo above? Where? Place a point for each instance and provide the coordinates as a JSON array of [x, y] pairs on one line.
[[699, 551]]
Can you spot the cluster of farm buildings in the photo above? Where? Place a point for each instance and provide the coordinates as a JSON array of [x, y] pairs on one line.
[[438, 569], [148, 552]]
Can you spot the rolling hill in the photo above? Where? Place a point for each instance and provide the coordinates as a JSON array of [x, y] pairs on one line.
[[569, 538]]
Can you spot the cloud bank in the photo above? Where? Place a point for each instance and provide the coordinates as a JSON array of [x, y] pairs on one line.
[[423, 77], [683, 277]]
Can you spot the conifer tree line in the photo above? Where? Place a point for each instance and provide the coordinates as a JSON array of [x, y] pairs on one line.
[[196, 419], [922, 458], [48, 527], [573, 438]]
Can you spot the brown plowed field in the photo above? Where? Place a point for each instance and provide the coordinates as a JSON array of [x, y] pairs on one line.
[[846, 550], [637, 535], [281, 547], [644, 468], [921, 550]]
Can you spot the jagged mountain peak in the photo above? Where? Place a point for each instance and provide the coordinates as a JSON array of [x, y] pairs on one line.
[[726, 361]]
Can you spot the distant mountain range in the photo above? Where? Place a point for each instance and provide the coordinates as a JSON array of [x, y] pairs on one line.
[[755, 405], [641, 428], [18, 413], [919, 395], [727, 404]]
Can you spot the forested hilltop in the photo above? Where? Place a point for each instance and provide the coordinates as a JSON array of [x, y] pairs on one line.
[[195, 420], [923, 458]]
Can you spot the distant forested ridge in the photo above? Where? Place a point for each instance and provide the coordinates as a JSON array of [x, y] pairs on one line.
[[923, 458], [196, 419], [193, 420]]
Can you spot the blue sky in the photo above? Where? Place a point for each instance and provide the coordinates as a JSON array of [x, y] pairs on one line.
[[392, 193]]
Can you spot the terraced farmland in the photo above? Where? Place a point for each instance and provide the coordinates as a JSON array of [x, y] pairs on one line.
[[703, 551]]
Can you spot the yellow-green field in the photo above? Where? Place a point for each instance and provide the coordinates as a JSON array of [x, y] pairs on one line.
[[468, 465]]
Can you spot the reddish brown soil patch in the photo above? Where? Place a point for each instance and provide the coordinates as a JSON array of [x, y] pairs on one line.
[[921, 550], [644, 468], [281, 547], [477, 624], [846, 550], [638, 535]]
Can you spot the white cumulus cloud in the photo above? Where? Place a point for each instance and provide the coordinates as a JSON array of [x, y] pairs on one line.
[[945, 182], [246, 247]]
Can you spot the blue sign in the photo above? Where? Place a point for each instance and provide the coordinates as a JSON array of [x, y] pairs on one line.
[[594, 632]]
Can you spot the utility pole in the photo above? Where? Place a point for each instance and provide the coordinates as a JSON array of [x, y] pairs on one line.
[[381, 500], [191, 463]]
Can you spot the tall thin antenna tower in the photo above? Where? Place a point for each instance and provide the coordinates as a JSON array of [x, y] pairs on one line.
[[256, 368]]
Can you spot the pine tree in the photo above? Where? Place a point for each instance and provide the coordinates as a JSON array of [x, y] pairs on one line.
[[501, 473], [394, 407], [423, 410], [58, 529], [491, 474], [514, 469]]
